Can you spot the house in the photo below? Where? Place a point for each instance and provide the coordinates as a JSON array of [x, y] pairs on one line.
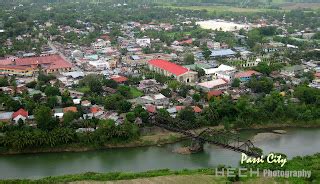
[[246, 76], [315, 83], [143, 42], [174, 110], [156, 99], [151, 108], [214, 93], [222, 53], [149, 86], [70, 109], [291, 71], [86, 103], [76, 101], [218, 84], [58, 112], [222, 72], [20, 114], [119, 79], [99, 64], [6, 116], [83, 130], [74, 75], [96, 111], [167, 68]]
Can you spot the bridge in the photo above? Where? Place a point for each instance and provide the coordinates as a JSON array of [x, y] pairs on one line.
[[224, 139]]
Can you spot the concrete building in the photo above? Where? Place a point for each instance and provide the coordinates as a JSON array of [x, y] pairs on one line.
[[27, 66], [167, 68]]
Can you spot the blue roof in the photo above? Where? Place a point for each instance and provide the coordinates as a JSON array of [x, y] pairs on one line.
[[222, 52]]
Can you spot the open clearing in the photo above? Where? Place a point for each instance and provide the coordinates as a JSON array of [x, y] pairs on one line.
[[224, 9], [294, 6]]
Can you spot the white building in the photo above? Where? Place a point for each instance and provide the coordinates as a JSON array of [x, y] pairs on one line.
[[100, 45], [143, 42], [222, 72], [100, 64], [218, 84]]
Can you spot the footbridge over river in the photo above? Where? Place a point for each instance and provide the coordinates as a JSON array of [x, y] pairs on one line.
[[225, 139]]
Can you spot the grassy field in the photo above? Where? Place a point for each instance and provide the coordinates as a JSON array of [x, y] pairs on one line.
[[294, 6], [193, 179], [223, 9], [135, 92]]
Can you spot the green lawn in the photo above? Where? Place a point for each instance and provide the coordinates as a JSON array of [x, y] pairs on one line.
[[84, 89], [135, 92]]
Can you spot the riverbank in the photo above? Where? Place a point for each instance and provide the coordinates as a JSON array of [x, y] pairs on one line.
[[157, 138]]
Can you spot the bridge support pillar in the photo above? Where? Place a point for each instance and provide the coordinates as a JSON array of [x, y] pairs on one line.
[[196, 146]]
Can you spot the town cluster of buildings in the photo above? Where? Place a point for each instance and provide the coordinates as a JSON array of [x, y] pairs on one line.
[[126, 58]]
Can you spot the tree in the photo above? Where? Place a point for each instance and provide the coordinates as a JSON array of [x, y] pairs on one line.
[[206, 53], [130, 116], [174, 85], [254, 37], [200, 71], [124, 91], [308, 95], [93, 81], [110, 83], [236, 83], [261, 85], [187, 115], [68, 117], [95, 86], [188, 59], [4, 81], [123, 106], [52, 101], [32, 84], [183, 91], [52, 91], [66, 99], [166, 92], [264, 68], [44, 119], [112, 100], [196, 97]]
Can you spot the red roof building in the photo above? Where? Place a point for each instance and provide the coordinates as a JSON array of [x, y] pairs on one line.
[[167, 68], [50, 63], [248, 73], [21, 112], [70, 109], [151, 108], [214, 93], [317, 75], [196, 109], [94, 109], [119, 79], [189, 41]]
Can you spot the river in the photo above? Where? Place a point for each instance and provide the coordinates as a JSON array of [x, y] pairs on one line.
[[295, 142]]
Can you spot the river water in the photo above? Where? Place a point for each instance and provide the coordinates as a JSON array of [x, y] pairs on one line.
[[295, 142]]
